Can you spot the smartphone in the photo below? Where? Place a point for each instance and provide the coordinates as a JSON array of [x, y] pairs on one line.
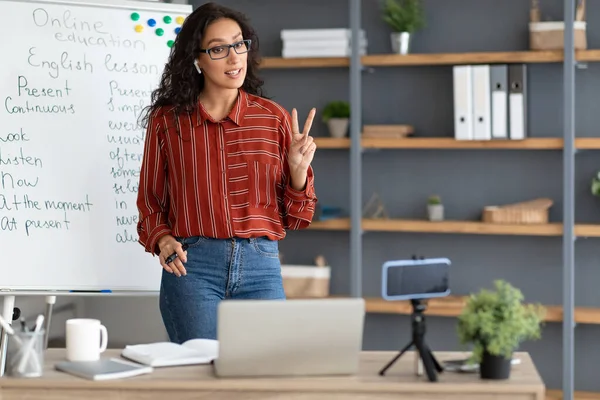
[[415, 279]]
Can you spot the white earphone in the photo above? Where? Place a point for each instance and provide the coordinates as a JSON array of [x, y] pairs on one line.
[[197, 66]]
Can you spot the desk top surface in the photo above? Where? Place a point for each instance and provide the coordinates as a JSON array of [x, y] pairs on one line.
[[399, 378]]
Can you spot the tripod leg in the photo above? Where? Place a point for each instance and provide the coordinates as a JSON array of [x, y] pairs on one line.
[[434, 360], [408, 346], [427, 357]]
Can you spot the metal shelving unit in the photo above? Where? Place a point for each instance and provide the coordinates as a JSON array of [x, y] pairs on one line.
[[569, 65], [568, 202]]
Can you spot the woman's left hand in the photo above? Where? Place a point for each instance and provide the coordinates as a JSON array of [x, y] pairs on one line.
[[302, 150]]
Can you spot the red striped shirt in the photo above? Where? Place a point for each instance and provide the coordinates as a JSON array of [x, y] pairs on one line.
[[220, 179]]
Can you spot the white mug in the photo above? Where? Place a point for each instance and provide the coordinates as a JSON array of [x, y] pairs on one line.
[[86, 339]]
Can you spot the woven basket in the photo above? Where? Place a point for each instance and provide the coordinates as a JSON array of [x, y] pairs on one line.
[[549, 35], [529, 212]]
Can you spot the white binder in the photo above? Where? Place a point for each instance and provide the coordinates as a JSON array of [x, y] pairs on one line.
[[499, 89], [463, 102], [482, 109]]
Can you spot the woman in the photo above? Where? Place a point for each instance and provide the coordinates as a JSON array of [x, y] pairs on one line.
[[224, 173]]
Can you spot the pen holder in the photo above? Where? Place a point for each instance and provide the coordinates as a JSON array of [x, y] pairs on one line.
[[25, 354]]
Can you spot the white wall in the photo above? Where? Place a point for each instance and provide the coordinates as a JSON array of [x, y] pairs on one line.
[[129, 320]]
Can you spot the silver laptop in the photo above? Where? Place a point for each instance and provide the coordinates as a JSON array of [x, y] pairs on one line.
[[298, 337]]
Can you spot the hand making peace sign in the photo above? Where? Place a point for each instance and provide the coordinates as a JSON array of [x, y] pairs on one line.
[[302, 150]]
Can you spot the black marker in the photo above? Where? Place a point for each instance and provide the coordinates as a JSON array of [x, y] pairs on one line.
[[173, 256]]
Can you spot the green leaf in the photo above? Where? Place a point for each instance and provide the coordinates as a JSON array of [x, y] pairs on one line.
[[403, 15], [336, 109], [498, 321]]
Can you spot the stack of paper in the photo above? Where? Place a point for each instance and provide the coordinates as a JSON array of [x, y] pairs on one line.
[[334, 42]]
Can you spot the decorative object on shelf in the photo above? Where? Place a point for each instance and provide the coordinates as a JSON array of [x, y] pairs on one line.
[[404, 17], [387, 131], [596, 185], [435, 208], [328, 212], [320, 261], [336, 115], [527, 212], [307, 281], [375, 208], [495, 323], [549, 35]]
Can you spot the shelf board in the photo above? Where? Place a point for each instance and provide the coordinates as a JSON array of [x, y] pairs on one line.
[[464, 227], [337, 224], [332, 143], [587, 55], [451, 143], [391, 60], [497, 57], [587, 143], [304, 62], [452, 306], [458, 227]]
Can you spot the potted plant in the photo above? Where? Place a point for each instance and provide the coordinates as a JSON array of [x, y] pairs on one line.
[[435, 208], [336, 115], [404, 17], [496, 322], [596, 185]]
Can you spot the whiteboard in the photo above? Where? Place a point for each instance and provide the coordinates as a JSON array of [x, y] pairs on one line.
[[74, 77]]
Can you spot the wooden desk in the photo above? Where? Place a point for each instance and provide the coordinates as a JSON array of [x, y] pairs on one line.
[[198, 382]]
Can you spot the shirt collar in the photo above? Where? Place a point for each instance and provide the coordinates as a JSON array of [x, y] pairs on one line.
[[237, 113]]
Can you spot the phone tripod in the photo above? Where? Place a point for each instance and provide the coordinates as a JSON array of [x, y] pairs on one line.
[[418, 341]]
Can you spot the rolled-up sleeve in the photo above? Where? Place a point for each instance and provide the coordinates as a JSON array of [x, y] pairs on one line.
[[152, 199]]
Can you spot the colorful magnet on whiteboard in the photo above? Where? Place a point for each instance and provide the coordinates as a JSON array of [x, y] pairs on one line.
[[135, 16], [170, 43], [177, 30], [167, 19], [179, 20], [151, 22], [139, 28], [160, 32]]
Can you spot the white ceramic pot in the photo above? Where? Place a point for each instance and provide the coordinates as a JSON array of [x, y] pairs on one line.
[[338, 127], [400, 42], [435, 212]]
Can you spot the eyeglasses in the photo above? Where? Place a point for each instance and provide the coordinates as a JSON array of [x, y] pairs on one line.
[[222, 51]]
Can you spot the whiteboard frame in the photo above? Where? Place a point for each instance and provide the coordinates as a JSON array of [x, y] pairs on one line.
[[122, 4]]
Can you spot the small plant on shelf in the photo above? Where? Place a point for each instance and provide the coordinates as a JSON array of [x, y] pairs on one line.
[[336, 115], [595, 188], [404, 17], [435, 208], [496, 322]]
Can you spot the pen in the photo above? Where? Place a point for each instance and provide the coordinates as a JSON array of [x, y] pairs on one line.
[[173, 256]]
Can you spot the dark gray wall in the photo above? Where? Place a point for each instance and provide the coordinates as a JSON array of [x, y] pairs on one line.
[[466, 180]]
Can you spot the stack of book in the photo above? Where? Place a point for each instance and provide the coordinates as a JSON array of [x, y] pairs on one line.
[[334, 42]]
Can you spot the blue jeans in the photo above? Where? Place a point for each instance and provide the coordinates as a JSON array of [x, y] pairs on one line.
[[217, 269]]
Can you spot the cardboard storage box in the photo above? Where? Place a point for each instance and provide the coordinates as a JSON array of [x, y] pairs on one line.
[[305, 281]]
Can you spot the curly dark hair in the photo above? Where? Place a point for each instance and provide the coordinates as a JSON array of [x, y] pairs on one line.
[[181, 84]]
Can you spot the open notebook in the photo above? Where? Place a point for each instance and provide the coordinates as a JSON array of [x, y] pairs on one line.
[[163, 354]]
